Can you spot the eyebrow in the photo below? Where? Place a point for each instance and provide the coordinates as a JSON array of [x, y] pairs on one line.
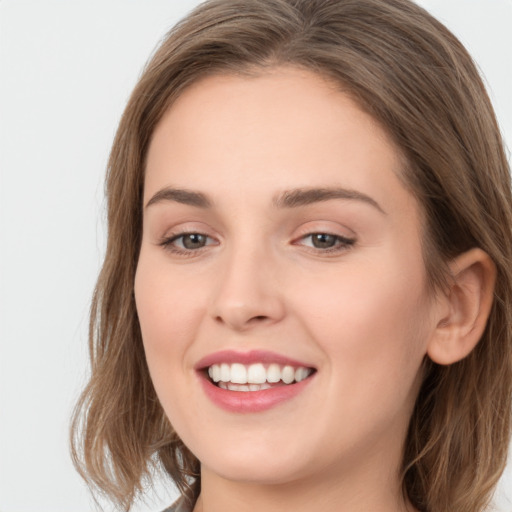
[[304, 196], [180, 195], [288, 199]]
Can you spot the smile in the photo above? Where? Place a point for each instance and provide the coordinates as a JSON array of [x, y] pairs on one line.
[[256, 376], [250, 382]]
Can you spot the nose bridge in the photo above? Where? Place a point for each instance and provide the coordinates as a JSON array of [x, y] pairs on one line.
[[247, 291]]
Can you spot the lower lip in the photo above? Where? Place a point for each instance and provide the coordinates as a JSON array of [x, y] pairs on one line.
[[252, 401]]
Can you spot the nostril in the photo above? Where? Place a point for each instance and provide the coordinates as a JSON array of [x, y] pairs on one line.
[[257, 319], [242, 314], [254, 319]]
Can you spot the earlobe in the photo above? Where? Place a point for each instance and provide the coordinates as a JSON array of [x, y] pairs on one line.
[[466, 306]]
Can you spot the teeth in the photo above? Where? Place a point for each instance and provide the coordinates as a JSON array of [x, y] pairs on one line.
[[256, 374], [254, 377], [225, 372], [238, 387], [274, 373], [238, 373], [243, 387], [301, 374], [288, 375]]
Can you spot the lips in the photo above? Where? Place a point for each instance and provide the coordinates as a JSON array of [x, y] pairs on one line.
[[252, 381]]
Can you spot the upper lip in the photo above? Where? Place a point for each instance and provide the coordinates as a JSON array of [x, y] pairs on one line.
[[247, 358]]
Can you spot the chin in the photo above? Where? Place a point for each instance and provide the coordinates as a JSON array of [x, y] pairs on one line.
[[256, 473], [258, 466]]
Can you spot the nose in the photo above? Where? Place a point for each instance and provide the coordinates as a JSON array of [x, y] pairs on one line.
[[248, 292]]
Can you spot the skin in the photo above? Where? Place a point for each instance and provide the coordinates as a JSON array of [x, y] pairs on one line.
[[360, 313]]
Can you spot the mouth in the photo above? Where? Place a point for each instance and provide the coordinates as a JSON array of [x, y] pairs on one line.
[[256, 376], [254, 381]]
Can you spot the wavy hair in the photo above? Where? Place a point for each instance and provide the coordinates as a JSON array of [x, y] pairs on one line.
[[416, 79]]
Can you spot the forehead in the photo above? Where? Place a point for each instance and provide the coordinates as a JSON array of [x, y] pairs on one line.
[[283, 128], [284, 98]]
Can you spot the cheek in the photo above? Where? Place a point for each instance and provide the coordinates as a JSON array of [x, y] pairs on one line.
[[374, 350], [370, 321], [168, 309]]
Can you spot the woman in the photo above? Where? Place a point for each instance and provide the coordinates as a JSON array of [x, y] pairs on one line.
[[306, 296]]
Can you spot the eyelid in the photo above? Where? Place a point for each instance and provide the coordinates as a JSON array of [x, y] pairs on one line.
[[345, 238], [167, 242], [342, 243], [185, 227], [324, 226]]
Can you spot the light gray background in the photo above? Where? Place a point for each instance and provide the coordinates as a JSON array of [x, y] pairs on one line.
[[66, 70]]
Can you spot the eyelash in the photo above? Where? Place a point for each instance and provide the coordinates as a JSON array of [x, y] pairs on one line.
[[341, 243], [168, 243]]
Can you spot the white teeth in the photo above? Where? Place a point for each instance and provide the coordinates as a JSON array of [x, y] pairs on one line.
[[274, 373], [256, 374], [214, 372], [254, 377], [225, 372], [238, 387], [244, 387], [301, 374], [288, 375], [238, 374]]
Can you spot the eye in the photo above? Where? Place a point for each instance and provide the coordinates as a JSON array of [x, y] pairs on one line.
[[326, 242], [323, 240], [191, 241], [187, 242]]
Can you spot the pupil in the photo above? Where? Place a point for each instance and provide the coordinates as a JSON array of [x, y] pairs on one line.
[[323, 240], [194, 241]]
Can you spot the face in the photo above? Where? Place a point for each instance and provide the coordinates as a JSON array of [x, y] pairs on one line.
[[280, 288]]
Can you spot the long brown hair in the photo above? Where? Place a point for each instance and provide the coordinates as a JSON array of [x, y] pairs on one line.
[[416, 79]]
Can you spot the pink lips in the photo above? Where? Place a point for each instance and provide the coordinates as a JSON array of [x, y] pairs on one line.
[[250, 401]]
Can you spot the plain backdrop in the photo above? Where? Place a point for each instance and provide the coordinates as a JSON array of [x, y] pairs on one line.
[[66, 70]]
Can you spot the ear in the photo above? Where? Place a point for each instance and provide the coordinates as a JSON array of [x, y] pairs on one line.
[[465, 307]]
